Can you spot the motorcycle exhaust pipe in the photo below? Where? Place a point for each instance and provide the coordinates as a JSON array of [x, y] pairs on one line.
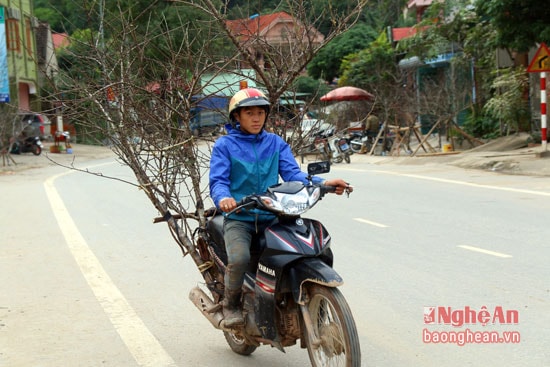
[[205, 304]]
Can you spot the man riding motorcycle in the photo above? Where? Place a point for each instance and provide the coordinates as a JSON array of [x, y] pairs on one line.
[[245, 161]]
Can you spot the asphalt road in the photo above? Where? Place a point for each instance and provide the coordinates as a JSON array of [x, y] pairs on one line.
[[88, 280]]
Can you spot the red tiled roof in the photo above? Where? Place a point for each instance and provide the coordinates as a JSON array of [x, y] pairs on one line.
[[60, 40], [399, 33], [255, 25]]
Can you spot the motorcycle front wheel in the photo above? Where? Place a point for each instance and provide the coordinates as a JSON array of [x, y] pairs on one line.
[[347, 158], [334, 328], [238, 344], [36, 150]]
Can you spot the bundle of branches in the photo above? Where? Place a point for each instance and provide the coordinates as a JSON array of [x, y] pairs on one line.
[[137, 84]]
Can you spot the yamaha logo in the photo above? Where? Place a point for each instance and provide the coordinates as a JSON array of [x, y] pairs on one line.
[[266, 270], [299, 222]]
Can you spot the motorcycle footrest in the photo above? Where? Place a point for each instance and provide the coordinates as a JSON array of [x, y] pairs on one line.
[[215, 308]]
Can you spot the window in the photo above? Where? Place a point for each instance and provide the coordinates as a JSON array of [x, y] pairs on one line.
[[12, 35]]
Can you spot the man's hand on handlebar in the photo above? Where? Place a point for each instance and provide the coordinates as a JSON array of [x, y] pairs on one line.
[[227, 204], [340, 185]]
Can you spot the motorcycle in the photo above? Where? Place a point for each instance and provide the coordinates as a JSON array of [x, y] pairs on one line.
[[362, 141], [290, 290], [334, 148], [32, 144]]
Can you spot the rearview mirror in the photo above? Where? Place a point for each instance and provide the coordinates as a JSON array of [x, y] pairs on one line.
[[317, 168]]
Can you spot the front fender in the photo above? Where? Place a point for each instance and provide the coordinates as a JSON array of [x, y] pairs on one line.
[[311, 270]]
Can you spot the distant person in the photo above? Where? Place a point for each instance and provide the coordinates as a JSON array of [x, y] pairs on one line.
[[372, 126]]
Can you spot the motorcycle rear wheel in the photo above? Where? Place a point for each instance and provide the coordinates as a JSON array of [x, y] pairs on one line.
[[334, 327], [347, 158], [238, 344]]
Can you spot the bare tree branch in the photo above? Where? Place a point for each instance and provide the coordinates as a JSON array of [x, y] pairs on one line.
[[138, 91]]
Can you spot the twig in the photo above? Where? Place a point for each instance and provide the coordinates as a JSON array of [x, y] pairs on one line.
[[86, 170]]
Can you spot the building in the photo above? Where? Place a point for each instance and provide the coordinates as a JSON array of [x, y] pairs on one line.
[[47, 60], [261, 34], [20, 57]]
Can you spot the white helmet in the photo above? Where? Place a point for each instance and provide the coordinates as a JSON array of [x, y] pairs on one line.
[[247, 97]]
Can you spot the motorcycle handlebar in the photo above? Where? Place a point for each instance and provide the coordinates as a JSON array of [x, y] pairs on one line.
[[254, 200], [328, 189], [244, 203]]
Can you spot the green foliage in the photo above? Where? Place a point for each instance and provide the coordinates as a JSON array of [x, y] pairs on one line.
[[481, 125], [380, 14], [70, 58], [449, 27], [370, 67], [508, 105], [376, 16], [52, 17], [245, 8], [67, 15], [311, 86], [326, 63], [519, 25], [455, 27]]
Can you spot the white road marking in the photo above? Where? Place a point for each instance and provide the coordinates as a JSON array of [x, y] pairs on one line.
[[371, 222], [464, 183], [455, 182], [483, 251], [141, 343]]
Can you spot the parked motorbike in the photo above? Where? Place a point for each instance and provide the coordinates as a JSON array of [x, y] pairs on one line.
[[335, 148], [32, 144], [290, 290], [362, 141]]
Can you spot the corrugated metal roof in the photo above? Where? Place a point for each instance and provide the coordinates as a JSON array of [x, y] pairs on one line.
[[227, 84]]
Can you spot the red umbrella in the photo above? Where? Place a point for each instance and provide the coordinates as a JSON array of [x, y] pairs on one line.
[[347, 94]]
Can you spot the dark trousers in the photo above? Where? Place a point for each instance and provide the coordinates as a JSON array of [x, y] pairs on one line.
[[238, 239]]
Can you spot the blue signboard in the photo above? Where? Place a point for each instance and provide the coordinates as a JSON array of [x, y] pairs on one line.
[[4, 76]]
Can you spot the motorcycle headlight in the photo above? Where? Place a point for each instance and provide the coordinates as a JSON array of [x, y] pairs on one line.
[[271, 203], [298, 203]]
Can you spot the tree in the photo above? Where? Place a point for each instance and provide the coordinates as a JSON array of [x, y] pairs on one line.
[[326, 63], [376, 16], [375, 70], [456, 29], [66, 15], [139, 88], [520, 25], [508, 105], [314, 88]]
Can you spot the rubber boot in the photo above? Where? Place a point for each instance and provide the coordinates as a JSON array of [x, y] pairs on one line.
[[232, 312]]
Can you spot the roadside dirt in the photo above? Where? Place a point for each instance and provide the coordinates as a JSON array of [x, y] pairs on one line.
[[511, 155], [80, 153]]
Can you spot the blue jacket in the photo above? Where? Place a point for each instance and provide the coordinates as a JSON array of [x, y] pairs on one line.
[[244, 164]]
